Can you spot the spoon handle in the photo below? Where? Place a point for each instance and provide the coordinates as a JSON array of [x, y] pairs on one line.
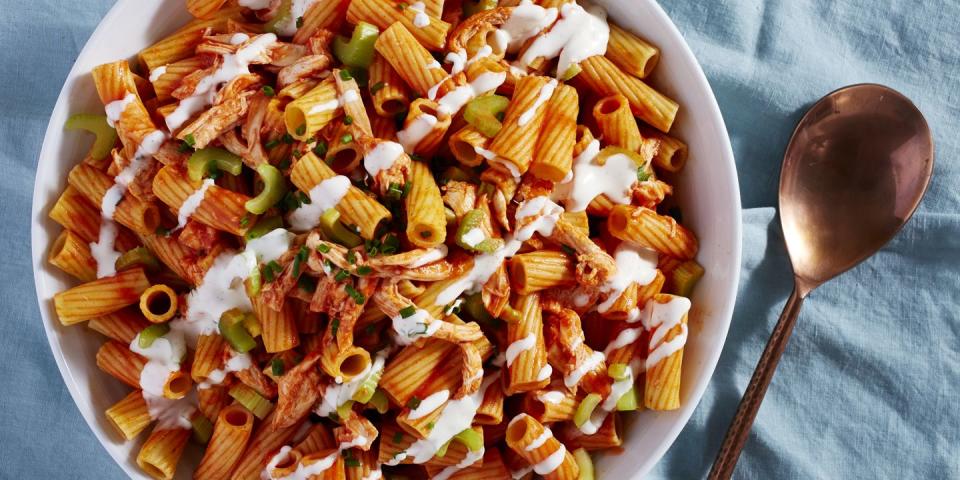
[[739, 429]]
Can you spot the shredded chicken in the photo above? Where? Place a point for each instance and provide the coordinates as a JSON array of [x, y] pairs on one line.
[[390, 302], [299, 390], [567, 351]]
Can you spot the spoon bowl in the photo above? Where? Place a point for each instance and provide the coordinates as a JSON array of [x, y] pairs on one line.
[[854, 172]]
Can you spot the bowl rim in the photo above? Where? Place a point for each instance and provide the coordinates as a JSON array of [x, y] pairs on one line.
[[725, 315]]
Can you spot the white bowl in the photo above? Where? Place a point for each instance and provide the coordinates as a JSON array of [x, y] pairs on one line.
[[707, 190]]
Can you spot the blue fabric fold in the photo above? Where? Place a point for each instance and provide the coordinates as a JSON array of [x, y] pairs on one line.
[[868, 386]]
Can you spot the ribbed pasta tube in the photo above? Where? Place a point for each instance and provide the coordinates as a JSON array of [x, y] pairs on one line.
[[230, 435], [72, 255], [385, 15], [388, 92], [603, 77], [426, 220], [631, 53], [647, 228], [550, 459], [553, 156], [616, 122], [540, 270], [130, 416], [161, 452], [100, 297], [409, 59], [515, 143]]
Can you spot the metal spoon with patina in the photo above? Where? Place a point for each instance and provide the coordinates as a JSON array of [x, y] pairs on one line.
[[854, 172]]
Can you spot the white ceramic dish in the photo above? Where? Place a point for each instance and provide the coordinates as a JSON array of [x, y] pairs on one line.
[[707, 190]]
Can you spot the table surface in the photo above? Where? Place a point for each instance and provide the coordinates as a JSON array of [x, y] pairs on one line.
[[868, 386]]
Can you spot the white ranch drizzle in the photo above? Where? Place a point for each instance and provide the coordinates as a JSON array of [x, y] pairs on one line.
[[539, 441], [456, 416], [239, 38], [237, 362], [526, 21], [545, 93], [577, 35], [374, 475], [156, 73], [545, 373], [192, 202], [452, 102], [520, 346], [413, 134], [416, 326], [553, 396], [660, 318], [421, 19], [163, 358], [205, 92], [573, 378], [546, 212], [288, 27], [427, 405], [613, 179], [323, 196], [303, 472], [103, 249], [626, 337], [635, 264], [114, 109], [469, 459], [255, 4], [434, 254], [337, 394], [382, 157], [552, 462], [474, 237], [222, 287]]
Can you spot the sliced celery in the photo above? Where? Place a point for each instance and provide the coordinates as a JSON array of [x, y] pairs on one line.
[[202, 163], [472, 7], [628, 402], [685, 277], [482, 112], [251, 400], [138, 257], [202, 429], [471, 220], [97, 125], [586, 408], [471, 439], [369, 386], [358, 50], [379, 401], [476, 309], [282, 15], [151, 333], [274, 188], [618, 371], [234, 332], [335, 231], [263, 227], [585, 464]]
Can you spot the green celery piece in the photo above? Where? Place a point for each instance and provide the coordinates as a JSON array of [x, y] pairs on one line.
[[263, 227], [628, 402], [204, 160], [233, 331], [472, 7], [474, 219], [274, 188], [283, 13], [475, 308], [150, 334], [471, 439], [251, 400], [482, 112], [617, 371], [97, 125], [138, 257], [335, 231], [379, 401], [358, 50], [202, 429], [586, 408], [368, 387], [582, 457]]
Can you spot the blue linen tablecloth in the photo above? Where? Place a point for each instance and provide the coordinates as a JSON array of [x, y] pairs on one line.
[[868, 387]]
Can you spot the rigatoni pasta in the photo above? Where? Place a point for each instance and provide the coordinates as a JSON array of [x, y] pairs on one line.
[[325, 255]]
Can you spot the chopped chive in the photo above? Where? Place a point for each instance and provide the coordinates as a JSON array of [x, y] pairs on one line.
[[245, 221], [401, 6], [276, 367], [341, 276], [568, 249], [284, 164], [270, 270], [398, 437], [184, 148], [163, 231], [287, 138], [351, 462], [395, 191], [346, 138], [272, 143], [408, 311], [345, 74], [334, 326], [301, 257], [391, 244], [364, 270], [406, 190], [377, 87], [320, 149], [296, 154], [347, 120], [323, 248], [299, 22], [269, 91], [500, 115], [189, 140], [357, 296], [431, 425], [413, 403], [351, 257], [642, 175], [302, 129]]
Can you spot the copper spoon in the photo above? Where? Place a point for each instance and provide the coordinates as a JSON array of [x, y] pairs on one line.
[[854, 172]]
